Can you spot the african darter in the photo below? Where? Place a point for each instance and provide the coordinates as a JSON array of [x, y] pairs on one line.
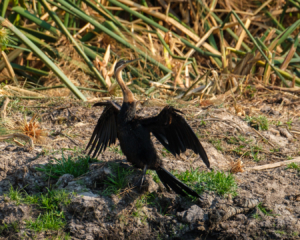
[[133, 132]]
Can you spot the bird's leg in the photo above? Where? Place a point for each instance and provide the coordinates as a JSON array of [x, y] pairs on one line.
[[141, 181]]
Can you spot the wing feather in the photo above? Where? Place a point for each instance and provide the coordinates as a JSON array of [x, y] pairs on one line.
[[174, 133], [105, 132]]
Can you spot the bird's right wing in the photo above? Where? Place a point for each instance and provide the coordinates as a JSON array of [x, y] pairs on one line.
[[105, 132]]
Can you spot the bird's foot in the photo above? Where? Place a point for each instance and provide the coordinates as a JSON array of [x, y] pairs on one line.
[[140, 182]]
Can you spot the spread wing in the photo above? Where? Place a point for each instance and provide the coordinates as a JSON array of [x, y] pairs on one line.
[[174, 133], [105, 132]]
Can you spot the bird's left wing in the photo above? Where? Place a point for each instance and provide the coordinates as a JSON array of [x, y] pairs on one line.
[[174, 133], [105, 132]]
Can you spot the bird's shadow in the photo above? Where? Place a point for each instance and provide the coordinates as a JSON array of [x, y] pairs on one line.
[[162, 201], [119, 184]]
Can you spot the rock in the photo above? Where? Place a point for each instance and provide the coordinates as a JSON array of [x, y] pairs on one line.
[[241, 217], [268, 110], [97, 175], [149, 185], [296, 198], [193, 214], [207, 200], [251, 223], [278, 140], [64, 180], [265, 224], [76, 186], [225, 225], [284, 132], [274, 131], [91, 207], [10, 212]]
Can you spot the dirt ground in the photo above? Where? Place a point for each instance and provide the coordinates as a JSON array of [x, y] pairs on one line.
[[267, 205]]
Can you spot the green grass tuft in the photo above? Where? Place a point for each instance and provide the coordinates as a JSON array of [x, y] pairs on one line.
[[15, 195], [117, 180], [244, 147], [259, 123], [219, 182], [154, 176], [250, 92], [293, 166], [264, 210], [164, 152], [50, 220], [280, 232], [7, 229], [50, 204], [256, 216], [141, 201], [76, 166]]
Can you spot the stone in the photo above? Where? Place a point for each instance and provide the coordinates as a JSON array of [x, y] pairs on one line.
[[193, 214], [149, 185], [10, 212], [97, 174], [284, 132], [241, 217], [63, 181]]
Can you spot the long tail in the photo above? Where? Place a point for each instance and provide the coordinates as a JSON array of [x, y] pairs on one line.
[[170, 181]]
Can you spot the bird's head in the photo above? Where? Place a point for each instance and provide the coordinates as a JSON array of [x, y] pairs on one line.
[[120, 65]]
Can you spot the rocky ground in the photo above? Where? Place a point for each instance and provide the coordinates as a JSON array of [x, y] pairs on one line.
[[266, 205]]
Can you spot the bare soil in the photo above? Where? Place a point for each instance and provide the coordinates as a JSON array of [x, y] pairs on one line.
[[267, 205]]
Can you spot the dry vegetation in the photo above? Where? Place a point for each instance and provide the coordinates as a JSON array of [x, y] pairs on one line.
[[211, 49], [231, 66]]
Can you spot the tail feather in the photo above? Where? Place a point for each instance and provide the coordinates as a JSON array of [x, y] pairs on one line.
[[170, 181]]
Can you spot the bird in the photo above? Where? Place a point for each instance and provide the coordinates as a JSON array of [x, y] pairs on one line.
[[134, 135]]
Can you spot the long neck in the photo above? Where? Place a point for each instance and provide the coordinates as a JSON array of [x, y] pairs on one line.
[[127, 94], [127, 112]]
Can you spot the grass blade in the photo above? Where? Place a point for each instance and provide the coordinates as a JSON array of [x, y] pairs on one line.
[[113, 35], [214, 52], [4, 6], [74, 42], [36, 20], [220, 22], [256, 44], [39, 34], [164, 79], [63, 86], [44, 58], [29, 69]]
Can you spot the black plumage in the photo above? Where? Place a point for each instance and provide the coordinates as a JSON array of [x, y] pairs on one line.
[[133, 132]]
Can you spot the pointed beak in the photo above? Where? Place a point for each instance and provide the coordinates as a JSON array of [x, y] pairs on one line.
[[99, 104], [131, 61]]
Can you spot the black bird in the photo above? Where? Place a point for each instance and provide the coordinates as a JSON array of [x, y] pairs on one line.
[[133, 132]]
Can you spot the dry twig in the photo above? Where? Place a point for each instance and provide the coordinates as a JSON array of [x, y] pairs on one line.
[[273, 165], [3, 108], [18, 135]]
